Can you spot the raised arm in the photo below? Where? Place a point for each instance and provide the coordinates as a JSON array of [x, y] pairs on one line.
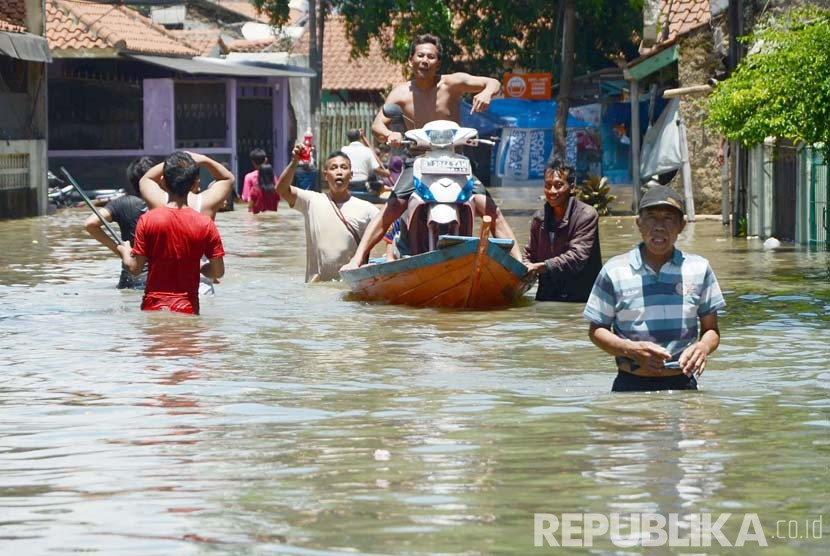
[[95, 228], [150, 185], [484, 87], [284, 187], [214, 197], [380, 125]]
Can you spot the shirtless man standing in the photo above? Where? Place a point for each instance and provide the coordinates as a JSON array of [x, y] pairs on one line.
[[427, 97]]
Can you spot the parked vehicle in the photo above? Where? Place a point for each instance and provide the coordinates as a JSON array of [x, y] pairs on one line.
[[58, 194]]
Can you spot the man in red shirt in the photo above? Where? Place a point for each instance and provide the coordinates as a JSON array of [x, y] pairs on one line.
[[174, 237]]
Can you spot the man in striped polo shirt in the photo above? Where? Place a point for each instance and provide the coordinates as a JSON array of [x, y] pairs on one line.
[[655, 308]]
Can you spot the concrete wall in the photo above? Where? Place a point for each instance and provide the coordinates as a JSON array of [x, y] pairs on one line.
[[22, 178], [697, 62]]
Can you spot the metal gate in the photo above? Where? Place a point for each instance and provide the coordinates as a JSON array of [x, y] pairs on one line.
[[819, 194], [784, 192], [254, 127]]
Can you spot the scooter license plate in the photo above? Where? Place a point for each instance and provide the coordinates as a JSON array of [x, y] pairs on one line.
[[445, 166]]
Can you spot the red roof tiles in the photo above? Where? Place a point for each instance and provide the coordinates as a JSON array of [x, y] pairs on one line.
[[73, 25], [204, 41], [340, 72], [247, 9], [13, 16], [685, 15], [253, 45]]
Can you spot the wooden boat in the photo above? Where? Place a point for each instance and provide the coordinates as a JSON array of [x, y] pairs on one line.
[[464, 272]]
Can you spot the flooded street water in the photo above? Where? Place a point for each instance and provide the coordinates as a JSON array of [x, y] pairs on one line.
[[289, 420]]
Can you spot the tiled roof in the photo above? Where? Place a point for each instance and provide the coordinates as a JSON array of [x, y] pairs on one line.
[[340, 72], [256, 45], [203, 40], [73, 25], [13, 16], [247, 9], [685, 15]]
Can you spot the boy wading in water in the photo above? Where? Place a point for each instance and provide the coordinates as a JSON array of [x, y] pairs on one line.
[[646, 304], [173, 239]]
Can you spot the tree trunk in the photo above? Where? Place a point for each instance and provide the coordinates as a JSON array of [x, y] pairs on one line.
[[563, 102]]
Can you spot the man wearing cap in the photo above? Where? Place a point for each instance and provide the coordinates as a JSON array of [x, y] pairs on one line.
[[655, 308], [563, 246]]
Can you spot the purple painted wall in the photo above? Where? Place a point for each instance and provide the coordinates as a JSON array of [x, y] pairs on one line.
[[159, 116], [281, 125]]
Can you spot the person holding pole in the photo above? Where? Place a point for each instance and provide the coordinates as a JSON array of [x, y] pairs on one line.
[[174, 238], [125, 210]]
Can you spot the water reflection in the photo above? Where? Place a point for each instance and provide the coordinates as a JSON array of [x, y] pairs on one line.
[[287, 419]]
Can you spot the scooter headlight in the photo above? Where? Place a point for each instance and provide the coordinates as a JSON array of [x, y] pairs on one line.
[[441, 137]]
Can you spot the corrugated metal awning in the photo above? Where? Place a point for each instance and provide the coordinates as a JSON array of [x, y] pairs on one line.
[[24, 46], [219, 66]]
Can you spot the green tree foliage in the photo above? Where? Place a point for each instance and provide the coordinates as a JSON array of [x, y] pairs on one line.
[[782, 88], [480, 36]]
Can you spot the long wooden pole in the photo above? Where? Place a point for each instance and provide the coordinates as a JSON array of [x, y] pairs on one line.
[[100, 216], [475, 277], [375, 154]]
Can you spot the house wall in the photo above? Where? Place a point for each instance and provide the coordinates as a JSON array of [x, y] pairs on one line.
[[23, 139], [22, 178], [697, 62]]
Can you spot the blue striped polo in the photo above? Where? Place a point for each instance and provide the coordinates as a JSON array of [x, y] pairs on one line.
[[641, 305]]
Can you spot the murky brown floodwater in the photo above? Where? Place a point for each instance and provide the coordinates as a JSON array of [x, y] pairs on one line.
[[288, 420]]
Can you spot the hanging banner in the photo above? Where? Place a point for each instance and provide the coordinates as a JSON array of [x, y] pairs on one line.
[[534, 86], [522, 154]]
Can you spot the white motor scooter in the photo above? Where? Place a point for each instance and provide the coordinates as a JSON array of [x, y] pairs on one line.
[[442, 201]]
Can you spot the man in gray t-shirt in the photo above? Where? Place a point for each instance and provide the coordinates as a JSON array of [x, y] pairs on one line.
[[334, 221]]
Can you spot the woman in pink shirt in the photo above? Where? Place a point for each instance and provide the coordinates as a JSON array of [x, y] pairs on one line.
[[263, 195]]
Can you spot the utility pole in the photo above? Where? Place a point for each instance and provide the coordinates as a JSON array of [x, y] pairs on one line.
[[313, 61], [563, 101]]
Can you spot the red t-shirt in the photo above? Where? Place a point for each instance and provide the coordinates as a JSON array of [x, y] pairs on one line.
[[263, 200], [174, 241]]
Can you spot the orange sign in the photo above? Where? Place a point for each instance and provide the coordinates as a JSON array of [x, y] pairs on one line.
[[527, 85]]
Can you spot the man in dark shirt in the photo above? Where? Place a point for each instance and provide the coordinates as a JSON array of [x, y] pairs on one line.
[[563, 248], [125, 210]]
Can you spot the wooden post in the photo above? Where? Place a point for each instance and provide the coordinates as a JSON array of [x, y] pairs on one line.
[[687, 168], [690, 90], [724, 184], [635, 142], [475, 277]]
